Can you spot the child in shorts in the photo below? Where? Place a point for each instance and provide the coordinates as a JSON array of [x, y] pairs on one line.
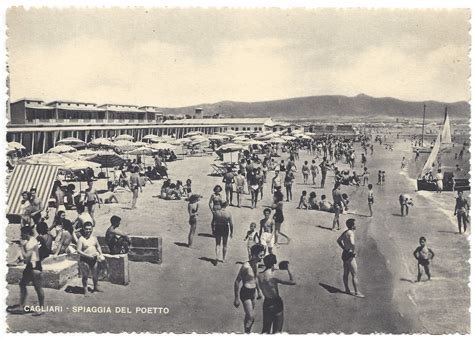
[[424, 256], [251, 237]]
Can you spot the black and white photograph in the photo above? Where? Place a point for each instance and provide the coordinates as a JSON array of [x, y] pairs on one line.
[[237, 170]]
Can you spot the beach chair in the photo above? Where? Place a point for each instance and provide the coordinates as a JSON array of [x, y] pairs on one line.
[[218, 170]]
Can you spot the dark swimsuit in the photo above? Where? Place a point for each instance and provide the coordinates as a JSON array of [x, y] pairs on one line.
[[89, 261], [278, 217], [247, 293], [272, 306]]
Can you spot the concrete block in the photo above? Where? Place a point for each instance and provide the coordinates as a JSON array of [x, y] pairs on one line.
[[56, 272], [118, 269], [142, 248]]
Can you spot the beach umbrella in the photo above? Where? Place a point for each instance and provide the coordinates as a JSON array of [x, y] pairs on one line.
[[288, 138], [141, 151], [199, 139], [162, 146], [101, 141], [150, 137], [106, 159], [80, 164], [71, 141], [124, 137], [124, 145], [181, 141], [218, 137], [46, 159], [229, 147], [62, 149], [252, 142], [239, 138], [276, 140], [193, 133], [15, 146]]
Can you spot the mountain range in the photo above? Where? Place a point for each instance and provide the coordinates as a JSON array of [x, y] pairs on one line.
[[326, 107]]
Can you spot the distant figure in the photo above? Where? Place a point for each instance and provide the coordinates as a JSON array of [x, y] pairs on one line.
[[405, 201], [193, 210], [370, 198], [424, 256], [461, 210], [439, 181]]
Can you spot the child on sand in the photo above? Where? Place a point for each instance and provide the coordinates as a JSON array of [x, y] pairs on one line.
[[251, 237], [303, 201], [312, 202], [379, 181], [383, 177], [424, 256]]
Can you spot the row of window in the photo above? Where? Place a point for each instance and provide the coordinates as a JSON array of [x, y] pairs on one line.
[[85, 115], [246, 128]]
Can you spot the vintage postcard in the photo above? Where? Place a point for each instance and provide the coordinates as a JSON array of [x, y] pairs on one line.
[[237, 170]]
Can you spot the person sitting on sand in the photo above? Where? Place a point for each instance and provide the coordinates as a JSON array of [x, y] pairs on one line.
[[303, 201], [312, 202], [172, 193], [108, 196], [164, 188], [325, 205], [424, 256]]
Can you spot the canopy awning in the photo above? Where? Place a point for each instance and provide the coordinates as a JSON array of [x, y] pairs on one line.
[[27, 176]]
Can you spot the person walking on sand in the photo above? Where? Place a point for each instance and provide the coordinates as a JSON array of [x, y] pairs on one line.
[[347, 243], [193, 211], [338, 205], [267, 226], [314, 170], [324, 169], [305, 172], [222, 229], [405, 201], [228, 179], [424, 256], [273, 309], [370, 198], [461, 210], [239, 186], [278, 216], [29, 246], [439, 181], [134, 186], [250, 289]]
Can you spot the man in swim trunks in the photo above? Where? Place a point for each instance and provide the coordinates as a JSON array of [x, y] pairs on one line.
[[248, 276], [90, 254], [222, 228], [276, 181], [267, 226], [29, 246], [405, 201], [273, 304], [36, 206], [347, 243], [239, 185], [228, 179]]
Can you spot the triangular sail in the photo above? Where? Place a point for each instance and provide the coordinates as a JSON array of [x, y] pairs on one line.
[[446, 132], [433, 156]]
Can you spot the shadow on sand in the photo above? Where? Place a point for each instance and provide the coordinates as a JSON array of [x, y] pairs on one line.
[[210, 260], [77, 290], [325, 228], [331, 289], [201, 234], [181, 244], [407, 280]]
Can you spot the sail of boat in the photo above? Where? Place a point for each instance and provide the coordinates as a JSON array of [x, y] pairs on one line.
[[446, 132], [433, 156]]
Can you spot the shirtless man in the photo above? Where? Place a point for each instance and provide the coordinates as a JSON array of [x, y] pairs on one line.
[[117, 240], [33, 270], [36, 206], [228, 179], [248, 276], [461, 210], [267, 225], [347, 243], [90, 254], [59, 197], [405, 201], [273, 304], [240, 186], [276, 181], [222, 228], [91, 198]]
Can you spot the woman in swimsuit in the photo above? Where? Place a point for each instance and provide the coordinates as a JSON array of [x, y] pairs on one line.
[[193, 207], [278, 216]]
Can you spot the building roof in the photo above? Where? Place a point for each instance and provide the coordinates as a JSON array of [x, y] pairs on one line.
[[67, 101], [226, 121], [28, 99]]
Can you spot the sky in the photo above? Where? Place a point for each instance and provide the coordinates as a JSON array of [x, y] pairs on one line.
[[181, 57]]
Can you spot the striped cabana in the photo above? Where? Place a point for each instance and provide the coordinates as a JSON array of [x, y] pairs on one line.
[[25, 177]]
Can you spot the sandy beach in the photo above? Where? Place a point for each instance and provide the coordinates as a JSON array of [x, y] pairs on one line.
[[199, 295]]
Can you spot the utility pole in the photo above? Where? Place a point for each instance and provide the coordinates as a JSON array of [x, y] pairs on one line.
[[423, 126]]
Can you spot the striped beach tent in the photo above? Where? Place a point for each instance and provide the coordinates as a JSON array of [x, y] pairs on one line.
[[27, 176]]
